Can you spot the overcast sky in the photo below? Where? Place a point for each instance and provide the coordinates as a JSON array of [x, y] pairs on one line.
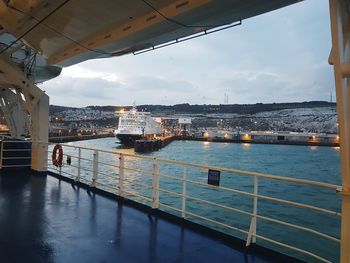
[[276, 57]]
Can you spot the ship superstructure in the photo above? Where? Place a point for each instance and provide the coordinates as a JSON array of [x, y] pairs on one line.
[[134, 125]]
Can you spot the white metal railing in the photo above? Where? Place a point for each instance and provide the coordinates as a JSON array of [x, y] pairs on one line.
[[119, 171]]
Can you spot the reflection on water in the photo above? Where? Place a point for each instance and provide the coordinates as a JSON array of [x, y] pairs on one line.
[[246, 145], [313, 148]]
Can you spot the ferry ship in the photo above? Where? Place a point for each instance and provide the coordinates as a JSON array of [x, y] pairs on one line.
[[46, 219], [134, 125]]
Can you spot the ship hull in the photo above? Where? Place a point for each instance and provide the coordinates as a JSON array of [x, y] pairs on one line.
[[128, 139]]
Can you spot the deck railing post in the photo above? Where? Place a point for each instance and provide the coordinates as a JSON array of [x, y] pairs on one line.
[[183, 209], [2, 148], [340, 59], [94, 169], [155, 184], [252, 229], [79, 165], [121, 175]]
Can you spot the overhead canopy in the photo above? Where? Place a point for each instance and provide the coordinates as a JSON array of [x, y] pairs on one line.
[[66, 32]]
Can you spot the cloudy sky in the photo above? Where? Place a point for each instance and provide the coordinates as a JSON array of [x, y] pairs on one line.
[[276, 57]]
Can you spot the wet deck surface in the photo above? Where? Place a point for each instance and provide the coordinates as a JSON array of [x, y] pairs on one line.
[[43, 219]]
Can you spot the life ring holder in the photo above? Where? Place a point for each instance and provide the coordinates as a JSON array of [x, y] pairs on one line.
[[57, 160]]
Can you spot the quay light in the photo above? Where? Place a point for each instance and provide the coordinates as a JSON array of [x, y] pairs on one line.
[[246, 136], [226, 136], [206, 134], [337, 138]]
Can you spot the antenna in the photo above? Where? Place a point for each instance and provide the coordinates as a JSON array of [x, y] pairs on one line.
[[226, 97]]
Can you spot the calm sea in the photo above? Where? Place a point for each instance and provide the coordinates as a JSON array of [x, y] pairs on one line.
[[306, 162]]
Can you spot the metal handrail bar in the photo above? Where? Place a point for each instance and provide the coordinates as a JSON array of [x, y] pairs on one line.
[[8, 141], [319, 209], [106, 185], [16, 150], [137, 170], [171, 177], [85, 180], [82, 158], [269, 176], [170, 207], [110, 165], [102, 173], [16, 165], [15, 158], [306, 229], [85, 169], [172, 193], [87, 159], [64, 172], [217, 223], [73, 156], [138, 195], [137, 183], [261, 237], [234, 171], [293, 248], [109, 176]]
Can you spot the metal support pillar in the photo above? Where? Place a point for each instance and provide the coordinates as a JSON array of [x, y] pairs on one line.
[[16, 118], [40, 133], [340, 59], [155, 184], [23, 100]]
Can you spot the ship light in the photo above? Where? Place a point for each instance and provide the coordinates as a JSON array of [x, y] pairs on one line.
[[206, 134], [337, 138]]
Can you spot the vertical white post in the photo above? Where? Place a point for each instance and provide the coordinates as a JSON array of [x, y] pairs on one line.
[[94, 169], [183, 210], [79, 165], [40, 133], [155, 184], [340, 59], [121, 176], [252, 229], [2, 148]]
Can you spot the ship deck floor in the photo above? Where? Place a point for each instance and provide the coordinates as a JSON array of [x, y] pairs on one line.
[[45, 219]]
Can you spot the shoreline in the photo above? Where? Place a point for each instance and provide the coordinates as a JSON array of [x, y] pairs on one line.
[[79, 138], [297, 143], [219, 140]]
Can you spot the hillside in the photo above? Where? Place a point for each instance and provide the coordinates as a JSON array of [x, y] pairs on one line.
[[186, 108]]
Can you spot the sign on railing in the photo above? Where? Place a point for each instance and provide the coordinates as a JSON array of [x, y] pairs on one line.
[[214, 177]]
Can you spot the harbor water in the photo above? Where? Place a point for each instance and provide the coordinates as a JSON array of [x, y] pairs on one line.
[[305, 162]]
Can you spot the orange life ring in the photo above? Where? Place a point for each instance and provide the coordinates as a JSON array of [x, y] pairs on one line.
[[57, 161]]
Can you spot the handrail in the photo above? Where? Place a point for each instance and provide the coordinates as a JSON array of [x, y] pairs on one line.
[[154, 185], [234, 171]]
